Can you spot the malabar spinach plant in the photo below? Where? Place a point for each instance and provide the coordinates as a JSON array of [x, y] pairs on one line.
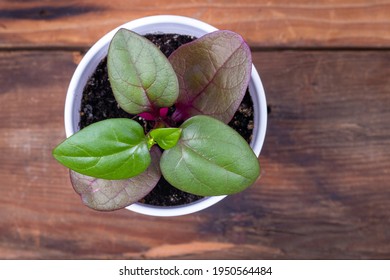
[[114, 163]]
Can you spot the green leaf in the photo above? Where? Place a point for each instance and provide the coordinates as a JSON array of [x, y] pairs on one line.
[[141, 77], [166, 138], [210, 159], [112, 149], [213, 73], [108, 195]]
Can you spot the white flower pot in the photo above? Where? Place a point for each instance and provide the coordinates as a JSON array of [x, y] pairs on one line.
[[159, 24]]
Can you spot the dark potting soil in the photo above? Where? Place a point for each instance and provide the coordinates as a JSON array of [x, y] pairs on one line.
[[98, 103]]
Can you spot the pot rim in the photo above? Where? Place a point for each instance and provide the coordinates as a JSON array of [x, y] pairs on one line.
[[160, 24]]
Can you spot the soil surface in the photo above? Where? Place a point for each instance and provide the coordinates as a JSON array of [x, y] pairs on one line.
[[98, 103]]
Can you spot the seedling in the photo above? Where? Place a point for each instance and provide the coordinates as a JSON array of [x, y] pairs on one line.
[[114, 162]]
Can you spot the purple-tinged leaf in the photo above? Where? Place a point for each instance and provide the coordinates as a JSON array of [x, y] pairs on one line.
[[155, 115], [147, 116], [213, 73], [108, 195], [141, 77], [164, 112]]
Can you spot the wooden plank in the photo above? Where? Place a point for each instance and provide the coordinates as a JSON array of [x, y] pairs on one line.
[[324, 190], [302, 23], [327, 153]]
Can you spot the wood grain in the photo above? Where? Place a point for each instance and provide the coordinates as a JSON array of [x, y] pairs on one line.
[[324, 191], [301, 23]]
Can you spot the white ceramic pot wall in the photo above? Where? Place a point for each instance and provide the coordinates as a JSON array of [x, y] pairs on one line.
[[159, 24]]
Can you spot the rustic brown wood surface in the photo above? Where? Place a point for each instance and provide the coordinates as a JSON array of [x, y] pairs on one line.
[[273, 23], [325, 186]]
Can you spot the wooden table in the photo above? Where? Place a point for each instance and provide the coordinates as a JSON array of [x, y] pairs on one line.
[[325, 186]]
